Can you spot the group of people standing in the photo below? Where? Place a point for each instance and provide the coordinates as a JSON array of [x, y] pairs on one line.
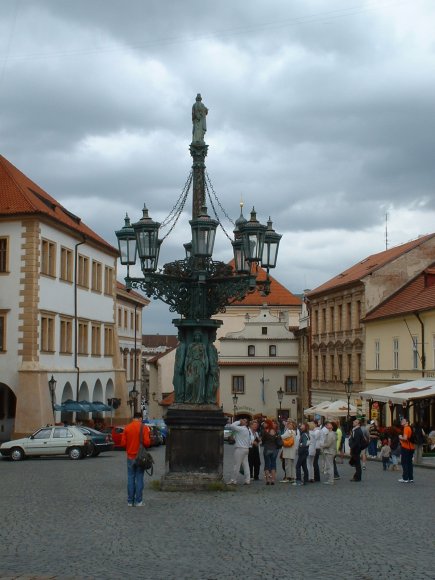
[[309, 449], [301, 450]]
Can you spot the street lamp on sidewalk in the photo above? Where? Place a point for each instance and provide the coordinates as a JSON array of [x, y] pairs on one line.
[[133, 395], [52, 386], [348, 388], [235, 400], [280, 394]]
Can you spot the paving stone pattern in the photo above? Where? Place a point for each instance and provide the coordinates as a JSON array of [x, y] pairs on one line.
[[67, 520]]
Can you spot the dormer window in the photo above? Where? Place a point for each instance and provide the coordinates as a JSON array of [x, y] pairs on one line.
[[251, 350]]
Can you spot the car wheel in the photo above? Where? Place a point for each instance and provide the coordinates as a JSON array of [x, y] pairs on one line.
[[17, 454], [90, 450], [75, 453]]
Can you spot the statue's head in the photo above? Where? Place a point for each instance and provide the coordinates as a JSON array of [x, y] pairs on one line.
[[198, 97]]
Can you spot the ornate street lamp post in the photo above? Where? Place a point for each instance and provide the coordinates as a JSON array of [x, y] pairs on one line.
[[280, 394], [52, 386], [197, 287], [348, 388], [235, 400], [132, 398]]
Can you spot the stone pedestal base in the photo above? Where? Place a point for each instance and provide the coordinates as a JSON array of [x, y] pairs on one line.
[[194, 447]]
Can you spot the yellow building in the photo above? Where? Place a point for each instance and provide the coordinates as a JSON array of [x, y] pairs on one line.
[[400, 346], [338, 307]]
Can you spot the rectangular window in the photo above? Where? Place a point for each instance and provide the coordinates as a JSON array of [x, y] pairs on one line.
[[82, 346], [316, 322], [108, 341], [251, 350], [2, 331], [323, 320], [65, 336], [340, 317], [377, 354], [48, 258], [125, 319], [331, 368], [395, 354], [340, 367], [316, 367], [272, 350], [238, 385], [414, 352], [83, 271], [131, 366], [264, 330], [331, 319], [66, 265], [96, 339], [291, 385], [349, 315], [132, 320], [359, 366], [119, 317], [349, 366], [323, 359], [4, 255], [47, 333], [358, 313], [96, 276], [108, 280], [137, 323]]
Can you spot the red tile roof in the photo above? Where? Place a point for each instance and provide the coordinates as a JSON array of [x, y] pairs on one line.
[[20, 196], [416, 296], [368, 265], [279, 295], [134, 296], [156, 340]]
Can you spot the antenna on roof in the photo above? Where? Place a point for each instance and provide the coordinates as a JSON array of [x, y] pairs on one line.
[[386, 230]]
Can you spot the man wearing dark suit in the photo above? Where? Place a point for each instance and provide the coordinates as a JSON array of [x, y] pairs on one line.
[[355, 444]]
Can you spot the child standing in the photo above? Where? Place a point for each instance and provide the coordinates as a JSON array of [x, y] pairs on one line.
[[385, 455]]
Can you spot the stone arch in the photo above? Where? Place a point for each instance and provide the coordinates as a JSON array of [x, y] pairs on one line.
[[8, 405], [110, 390], [67, 392], [98, 394]]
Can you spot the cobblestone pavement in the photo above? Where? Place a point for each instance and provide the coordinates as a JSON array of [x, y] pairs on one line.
[[69, 520]]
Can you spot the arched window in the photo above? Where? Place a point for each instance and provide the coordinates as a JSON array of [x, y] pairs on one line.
[[272, 350], [251, 350]]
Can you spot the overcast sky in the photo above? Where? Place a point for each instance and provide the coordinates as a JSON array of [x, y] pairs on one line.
[[321, 115]]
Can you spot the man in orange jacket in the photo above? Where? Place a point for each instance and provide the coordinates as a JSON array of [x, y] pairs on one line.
[[131, 441], [407, 452]]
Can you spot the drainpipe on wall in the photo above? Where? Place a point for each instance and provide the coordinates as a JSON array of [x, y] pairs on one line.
[[423, 351], [76, 337]]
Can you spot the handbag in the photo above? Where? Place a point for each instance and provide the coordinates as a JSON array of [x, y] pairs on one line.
[[144, 459], [289, 441]]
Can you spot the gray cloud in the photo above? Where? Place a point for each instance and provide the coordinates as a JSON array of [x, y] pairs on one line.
[[321, 115]]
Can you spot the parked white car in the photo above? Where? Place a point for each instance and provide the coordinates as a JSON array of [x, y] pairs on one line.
[[48, 441]]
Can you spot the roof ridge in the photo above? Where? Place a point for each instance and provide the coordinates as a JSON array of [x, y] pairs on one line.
[[6, 164]]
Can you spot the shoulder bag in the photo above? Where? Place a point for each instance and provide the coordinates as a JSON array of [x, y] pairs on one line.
[[144, 459]]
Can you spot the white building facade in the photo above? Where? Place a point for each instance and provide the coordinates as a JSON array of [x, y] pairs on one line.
[[255, 363], [57, 308]]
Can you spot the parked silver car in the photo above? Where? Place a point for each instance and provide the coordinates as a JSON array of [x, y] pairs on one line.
[[48, 441]]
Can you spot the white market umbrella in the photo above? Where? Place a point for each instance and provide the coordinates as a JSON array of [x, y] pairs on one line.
[[332, 409]]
